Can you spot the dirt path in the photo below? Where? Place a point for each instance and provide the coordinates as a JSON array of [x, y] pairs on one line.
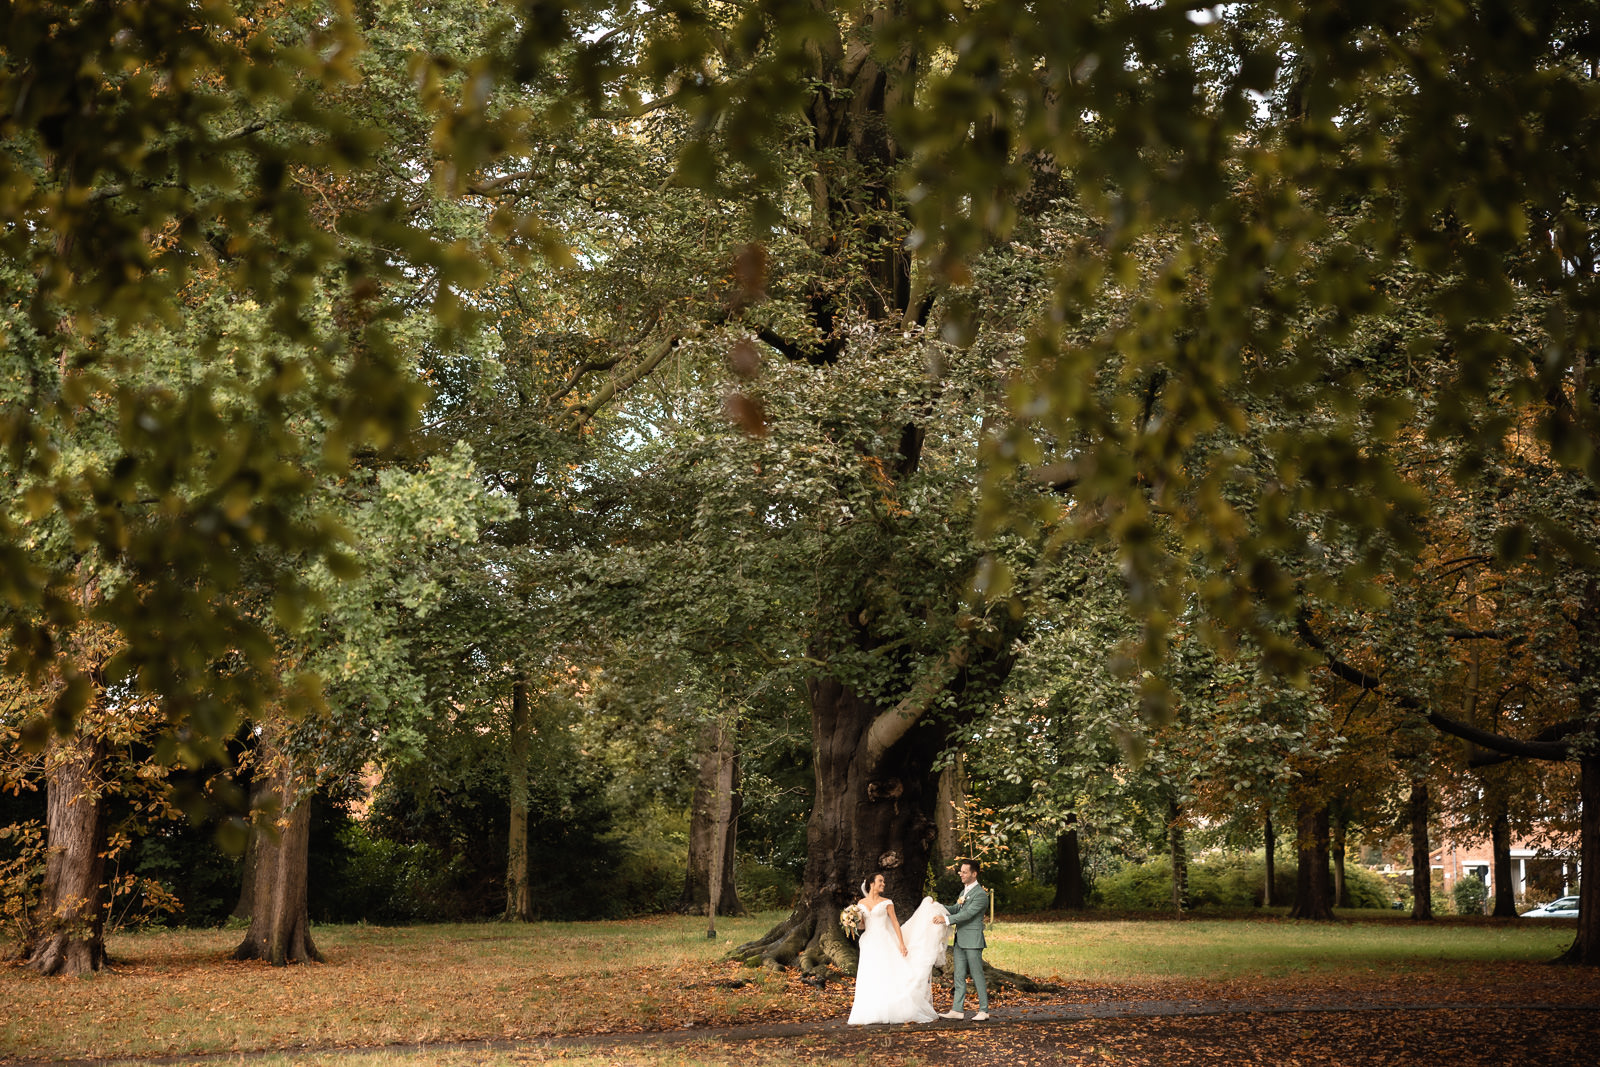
[[1129, 1032]]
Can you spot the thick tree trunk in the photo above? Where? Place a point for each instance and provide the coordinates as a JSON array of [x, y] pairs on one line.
[[519, 890], [1313, 898], [1585, 948], [868, 818], [708, 795], [1179, 851], [70, 919], [1069, 869], [1505, 893], [1270, 840], [1341, 894], [280, 923], [1421, 864], [252, 855]]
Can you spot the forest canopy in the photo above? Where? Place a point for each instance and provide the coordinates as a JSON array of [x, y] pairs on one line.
[[1189, 387]]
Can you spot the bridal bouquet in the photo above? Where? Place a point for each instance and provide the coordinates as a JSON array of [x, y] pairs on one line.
[[851, 919]]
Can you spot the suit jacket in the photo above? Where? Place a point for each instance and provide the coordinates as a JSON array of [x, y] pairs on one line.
[[966, 917]]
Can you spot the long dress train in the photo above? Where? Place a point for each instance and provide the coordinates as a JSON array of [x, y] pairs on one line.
[[891, 988]]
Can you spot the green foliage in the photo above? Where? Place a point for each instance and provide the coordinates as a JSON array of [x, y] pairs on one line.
[[1469, 895], [153, 160], [1020, 896], [1229, 881], [763, 888], [184, 860], [22, 861], [375, 880]]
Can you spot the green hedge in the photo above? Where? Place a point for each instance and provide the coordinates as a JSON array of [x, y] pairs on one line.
[[1225, 882]]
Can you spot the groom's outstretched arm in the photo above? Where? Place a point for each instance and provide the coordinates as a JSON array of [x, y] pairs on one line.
[[977, 903]]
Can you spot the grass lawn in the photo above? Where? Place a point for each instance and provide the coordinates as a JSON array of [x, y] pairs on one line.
[[176, 992], [1204, 948]]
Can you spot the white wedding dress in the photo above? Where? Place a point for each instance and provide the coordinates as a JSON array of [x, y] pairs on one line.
[[891, 988]]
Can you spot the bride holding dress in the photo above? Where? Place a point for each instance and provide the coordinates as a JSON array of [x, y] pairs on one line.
[[896, 962]]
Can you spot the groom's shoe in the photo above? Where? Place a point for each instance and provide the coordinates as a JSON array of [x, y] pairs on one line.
[[952, 1015], [982, 1016]]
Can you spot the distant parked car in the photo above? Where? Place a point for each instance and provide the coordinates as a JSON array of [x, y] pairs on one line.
[[1560, 908]]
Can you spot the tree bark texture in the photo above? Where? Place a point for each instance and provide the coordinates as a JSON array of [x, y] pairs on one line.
[[1313, 896], [1421, 865], [1341, 892], [708, 794], [869, 817], [1585, 948], [946, 817], [1270, 841], [69, 923], [724, 773], [519, 889], [1505, 893], [1069, 870], [280, 923], [252, 853], [1179, 851]]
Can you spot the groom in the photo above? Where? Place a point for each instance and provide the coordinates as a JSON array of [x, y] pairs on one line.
[[966, 918]]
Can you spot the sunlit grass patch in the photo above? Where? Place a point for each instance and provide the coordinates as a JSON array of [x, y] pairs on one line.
[[1142, 951]]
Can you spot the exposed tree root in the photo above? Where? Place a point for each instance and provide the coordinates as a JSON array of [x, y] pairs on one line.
[[1021, 983], [817, 947], [66, 955]]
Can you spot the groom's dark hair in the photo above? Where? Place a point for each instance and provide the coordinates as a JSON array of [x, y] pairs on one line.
[[974, 864]]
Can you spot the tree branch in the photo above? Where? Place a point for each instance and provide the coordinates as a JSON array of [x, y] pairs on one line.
[[1538, 748], [1547, 745], [892, 725], [582, 413]]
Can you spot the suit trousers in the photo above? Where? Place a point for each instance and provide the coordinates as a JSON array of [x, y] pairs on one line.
[[969, 961]]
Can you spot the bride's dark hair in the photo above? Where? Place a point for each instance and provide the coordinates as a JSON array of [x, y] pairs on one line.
[[866, 883]]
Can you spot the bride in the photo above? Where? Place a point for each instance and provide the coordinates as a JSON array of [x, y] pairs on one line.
[[892, 978]]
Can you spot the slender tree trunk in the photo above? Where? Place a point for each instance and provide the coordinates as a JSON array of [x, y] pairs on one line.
[[1313, 887], [70, 920], [708, 787], [519, 890], [1505, 893], [1069, 869], [1341, 893], [947, 809], [1179, 851], [719, 871], [1421, 867], [1271, 843], [280, 923]]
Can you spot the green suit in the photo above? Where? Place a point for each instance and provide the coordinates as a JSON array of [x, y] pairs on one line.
[[966, 919]]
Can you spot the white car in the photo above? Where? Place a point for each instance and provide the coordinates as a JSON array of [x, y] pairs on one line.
[[1560, 908]]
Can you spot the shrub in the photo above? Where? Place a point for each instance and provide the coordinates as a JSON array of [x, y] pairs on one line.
[[1233, 881], [1469, 895], [1140, 886], [1366, 889], [22, 861], [1021, 896], [763, 888], [382, 881]]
